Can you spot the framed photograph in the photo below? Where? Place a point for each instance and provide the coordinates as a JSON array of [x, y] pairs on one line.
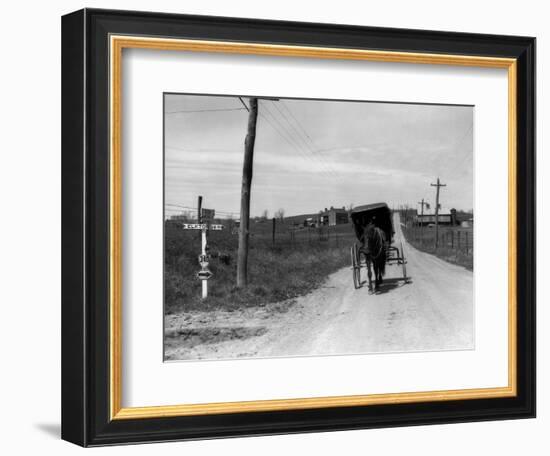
[[278, 227]]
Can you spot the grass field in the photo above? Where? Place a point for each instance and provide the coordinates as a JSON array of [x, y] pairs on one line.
[[296, 263], [456, 245]]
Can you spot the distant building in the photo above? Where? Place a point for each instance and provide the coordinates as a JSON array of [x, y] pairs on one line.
[[333, 216], [467, 223], [445, 217]]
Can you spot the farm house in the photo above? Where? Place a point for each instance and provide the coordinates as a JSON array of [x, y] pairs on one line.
[[445, 217], [333, 216]]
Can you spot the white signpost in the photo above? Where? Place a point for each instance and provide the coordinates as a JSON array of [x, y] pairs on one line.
[[204, 274]]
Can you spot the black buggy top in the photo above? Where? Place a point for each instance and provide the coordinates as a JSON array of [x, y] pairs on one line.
[[379, 213], [381, 216]]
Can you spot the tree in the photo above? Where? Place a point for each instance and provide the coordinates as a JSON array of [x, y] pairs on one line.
[[280, 214], [265, 214]]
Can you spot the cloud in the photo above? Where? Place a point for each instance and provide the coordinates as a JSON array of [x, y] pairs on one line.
[[311, 154]]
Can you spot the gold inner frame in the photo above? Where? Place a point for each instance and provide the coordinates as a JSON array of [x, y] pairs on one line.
[[117, 44]]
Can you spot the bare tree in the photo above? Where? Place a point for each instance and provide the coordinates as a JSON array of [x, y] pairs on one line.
[[280, 214], [265, 214]]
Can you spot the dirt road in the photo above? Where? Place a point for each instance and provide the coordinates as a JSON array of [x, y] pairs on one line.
[[434, 311]]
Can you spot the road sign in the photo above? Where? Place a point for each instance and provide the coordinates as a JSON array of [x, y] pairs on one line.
[[208, 214], [194, 226], [203, 261], [202, 226], [204, 274]]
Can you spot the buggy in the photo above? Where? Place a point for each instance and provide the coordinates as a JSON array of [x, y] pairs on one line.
[[380, 215]]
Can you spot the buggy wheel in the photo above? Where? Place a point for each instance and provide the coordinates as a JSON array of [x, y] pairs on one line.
[[355, 266], [404, 263]]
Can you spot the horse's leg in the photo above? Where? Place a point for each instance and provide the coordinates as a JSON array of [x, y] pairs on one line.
[[375, 267], [369, 275]]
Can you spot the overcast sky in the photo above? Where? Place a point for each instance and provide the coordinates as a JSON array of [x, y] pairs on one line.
[[315, 154]]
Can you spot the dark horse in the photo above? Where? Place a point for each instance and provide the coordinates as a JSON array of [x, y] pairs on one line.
[[373, 246]]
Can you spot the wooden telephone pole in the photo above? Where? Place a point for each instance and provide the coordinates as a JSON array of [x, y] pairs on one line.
[[242, 255], [438, 185], [422, 204]]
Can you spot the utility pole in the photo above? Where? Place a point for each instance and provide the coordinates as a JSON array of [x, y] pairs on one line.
[[438, 185], [242, 255], [422, 204], [199, 210]]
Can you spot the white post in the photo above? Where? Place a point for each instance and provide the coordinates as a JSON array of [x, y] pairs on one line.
[[204, 282]]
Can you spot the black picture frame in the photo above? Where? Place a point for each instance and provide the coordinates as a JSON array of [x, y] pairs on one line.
[[85, 228]]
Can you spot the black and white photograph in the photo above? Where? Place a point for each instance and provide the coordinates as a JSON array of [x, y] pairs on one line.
[[306, 227]]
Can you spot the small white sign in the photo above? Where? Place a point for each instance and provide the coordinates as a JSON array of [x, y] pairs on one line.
[[202, 226], [194, 226]]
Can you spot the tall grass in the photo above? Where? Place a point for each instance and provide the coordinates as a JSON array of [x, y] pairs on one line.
[[276, 272]]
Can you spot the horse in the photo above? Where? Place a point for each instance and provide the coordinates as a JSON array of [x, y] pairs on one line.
[[373, 246]]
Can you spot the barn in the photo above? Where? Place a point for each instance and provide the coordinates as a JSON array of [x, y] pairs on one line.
[[445, 217], [333, 216]]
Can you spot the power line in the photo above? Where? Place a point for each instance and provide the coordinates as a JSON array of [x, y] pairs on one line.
[[180, 206], [244, 104], [296, 120], [311, 146], [288, 137], [328, 172], [194, 209], [465, 156], [284, 136]]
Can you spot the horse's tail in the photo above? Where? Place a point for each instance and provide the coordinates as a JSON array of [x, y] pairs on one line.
[[382, 257], [382, 263]]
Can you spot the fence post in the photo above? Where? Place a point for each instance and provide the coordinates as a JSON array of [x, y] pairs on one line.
[[452, 239], [458, 240], [423, 238], [467, 246]]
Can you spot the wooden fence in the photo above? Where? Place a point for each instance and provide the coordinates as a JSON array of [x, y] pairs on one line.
[[450, 238], [287, 236]]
